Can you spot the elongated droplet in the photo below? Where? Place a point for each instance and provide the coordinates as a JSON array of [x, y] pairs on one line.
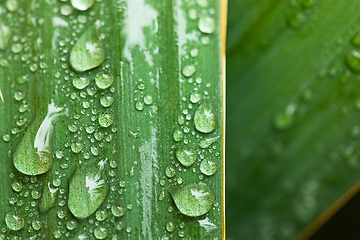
[[88, 51], [205, 143], [5, 35], [82, 5], [48, 198], [205, 119], [186, 157], [87, 190], [193, 200], [34, 154]]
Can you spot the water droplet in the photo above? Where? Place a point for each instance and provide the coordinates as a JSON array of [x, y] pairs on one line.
[[104, 80], [76, 147], [353, 60], [17, 186], [188, 70], [14, 221], [81, 235], [12, 5], [34, 155], [192, 14], [139, 106], [100, 232], [193, 200], [82, 5], [19, 96], [356, 39], [205, 119], [106, 101], [202, 3], [208, 167], [117, 210], [5, 35], [194, 52], [206, 24], [285, 120], [307, 3], [178, 135], [148, 100], [6, 137], [81, 82], [170, 171], [101, 215], [195, 97], [106, 119], [205, 143], [294, 19], [48, 198], [73, 128], [88, 51], [87, 190], [36, 224], [186, 157], [170, 226], [16, 48], [71, 225], [66, 10]]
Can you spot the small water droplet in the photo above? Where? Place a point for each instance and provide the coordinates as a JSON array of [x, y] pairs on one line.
[[76, 147], [205, 143], [139, 106], [14, 221], [7, 137], [16, 48], [101, 215], [192, 14], [194, 199], [148, 100], [205, 118], [188, 70], [206, 25], [178, 135], [17, 186], [88, 51], [104, 80], [36, 224], [195, 97], [208, 167], [117, 210], [170, 226], [12, 5], [71, 225], [100, 232], [170, 171], [106, 119], [106, 101], [186, 157], [307, 3], [82, 5], [202, 3], [81, 82]]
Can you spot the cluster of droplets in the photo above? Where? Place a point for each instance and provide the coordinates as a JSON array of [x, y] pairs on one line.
[[299, 13]]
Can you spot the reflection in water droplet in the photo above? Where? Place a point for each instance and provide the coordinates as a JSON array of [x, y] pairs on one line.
[[188, 70], [66, 10], [195, 97], [193, 200], [206, 25], [12, 5], [208, 167], [14, 221], [100, 232], [88, 51], [82, 5], [205, 143], [104, 80], [117, 210], [87, 190], [106, 101], [81, 82], [34, 155], [178, 135], [186, 157], [205, 118], [170, 226], [353, 60], [106, 119], [148, 100]]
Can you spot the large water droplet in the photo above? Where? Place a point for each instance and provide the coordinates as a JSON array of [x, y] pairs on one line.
[[5, 35], [186, 157], [14, 221], [88, 51], [205, 118], [206, 25], [48, 198], [193, 200], [87, 190], [353, 60], [82, 5], [34, 154]]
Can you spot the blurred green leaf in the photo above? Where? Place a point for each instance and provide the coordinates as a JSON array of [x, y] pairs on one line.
[[293, 113]]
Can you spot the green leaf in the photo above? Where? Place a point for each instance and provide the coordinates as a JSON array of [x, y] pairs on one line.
[[293, 122], [96, 97]]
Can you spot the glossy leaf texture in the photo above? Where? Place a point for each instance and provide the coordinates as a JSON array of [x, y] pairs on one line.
[[96, 99], [293, 113]]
